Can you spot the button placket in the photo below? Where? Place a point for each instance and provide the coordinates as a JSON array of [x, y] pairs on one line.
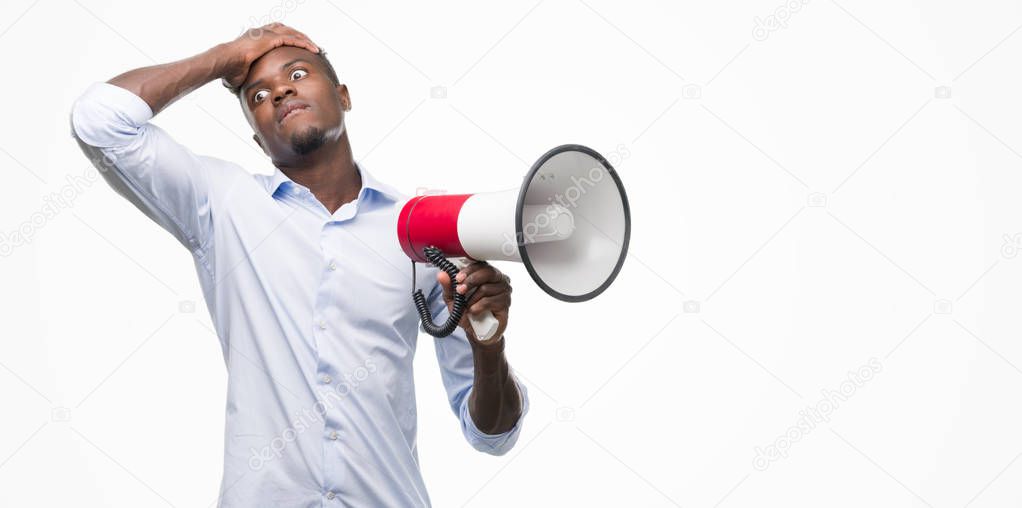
[[323, 311]]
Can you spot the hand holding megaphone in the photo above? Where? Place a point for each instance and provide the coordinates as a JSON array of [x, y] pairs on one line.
[[569, 224], [482, 280]]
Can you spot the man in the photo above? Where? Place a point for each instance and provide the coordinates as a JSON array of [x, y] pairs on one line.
[[304, 278]]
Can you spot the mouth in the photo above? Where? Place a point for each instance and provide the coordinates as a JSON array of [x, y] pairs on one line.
[[291, 109]]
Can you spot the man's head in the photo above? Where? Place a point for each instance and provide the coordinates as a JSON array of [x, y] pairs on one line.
[[294, 102]]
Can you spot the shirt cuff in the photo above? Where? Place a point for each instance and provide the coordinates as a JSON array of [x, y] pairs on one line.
[[495, 444]]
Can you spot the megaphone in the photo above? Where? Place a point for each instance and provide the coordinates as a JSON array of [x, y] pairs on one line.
[[569, 224]]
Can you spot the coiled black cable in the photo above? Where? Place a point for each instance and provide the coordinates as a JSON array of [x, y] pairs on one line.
[[437, 259]]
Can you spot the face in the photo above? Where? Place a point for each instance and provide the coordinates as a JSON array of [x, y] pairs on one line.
[[292, 104]]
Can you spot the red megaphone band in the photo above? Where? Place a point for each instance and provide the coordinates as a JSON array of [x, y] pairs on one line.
[[431, 220]]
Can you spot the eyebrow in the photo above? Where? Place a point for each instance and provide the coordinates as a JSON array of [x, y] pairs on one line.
[[252, 85]]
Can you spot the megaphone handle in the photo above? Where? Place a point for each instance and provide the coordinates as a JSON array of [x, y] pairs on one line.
[[485, 326]]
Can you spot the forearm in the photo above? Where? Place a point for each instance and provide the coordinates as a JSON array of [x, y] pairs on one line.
[[161, 85], [494, 404]]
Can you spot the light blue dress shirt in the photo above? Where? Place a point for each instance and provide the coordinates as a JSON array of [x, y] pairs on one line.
[[313, 311]]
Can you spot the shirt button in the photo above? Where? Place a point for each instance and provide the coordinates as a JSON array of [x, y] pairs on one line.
[[333, 435], [326, 379], [330, 495], [333, 265], [322, 325]]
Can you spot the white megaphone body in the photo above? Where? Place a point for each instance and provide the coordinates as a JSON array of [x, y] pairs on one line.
[[569, 224]]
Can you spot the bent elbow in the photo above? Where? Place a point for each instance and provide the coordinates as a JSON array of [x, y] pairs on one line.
[[105, 116], [496, 450]]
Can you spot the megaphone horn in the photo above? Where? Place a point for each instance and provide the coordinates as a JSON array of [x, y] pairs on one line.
[[569, 224]]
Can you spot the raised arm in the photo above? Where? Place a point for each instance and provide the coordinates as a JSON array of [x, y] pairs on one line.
[[173, 186], [161, 85], [481, 386]]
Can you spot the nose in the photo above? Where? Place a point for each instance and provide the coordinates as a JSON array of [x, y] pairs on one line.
[[282, 92]]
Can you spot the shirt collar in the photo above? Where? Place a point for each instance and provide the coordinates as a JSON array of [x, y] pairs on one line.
[[278, 179]]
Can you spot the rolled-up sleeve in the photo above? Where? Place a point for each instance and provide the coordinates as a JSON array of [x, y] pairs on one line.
[[144, 164], [457, 369]]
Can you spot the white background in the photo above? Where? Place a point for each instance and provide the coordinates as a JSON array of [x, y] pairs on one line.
[[841, 188]]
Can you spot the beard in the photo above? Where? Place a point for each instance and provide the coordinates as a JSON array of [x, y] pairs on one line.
[[308, 140]]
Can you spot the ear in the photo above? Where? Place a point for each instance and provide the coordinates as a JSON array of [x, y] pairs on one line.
[[342, 91], [260, 143]]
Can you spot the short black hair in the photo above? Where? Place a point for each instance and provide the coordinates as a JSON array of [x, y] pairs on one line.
[[330, 72]]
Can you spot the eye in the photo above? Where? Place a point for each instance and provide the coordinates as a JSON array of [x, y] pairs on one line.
[[298, 74], [260, 95]]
